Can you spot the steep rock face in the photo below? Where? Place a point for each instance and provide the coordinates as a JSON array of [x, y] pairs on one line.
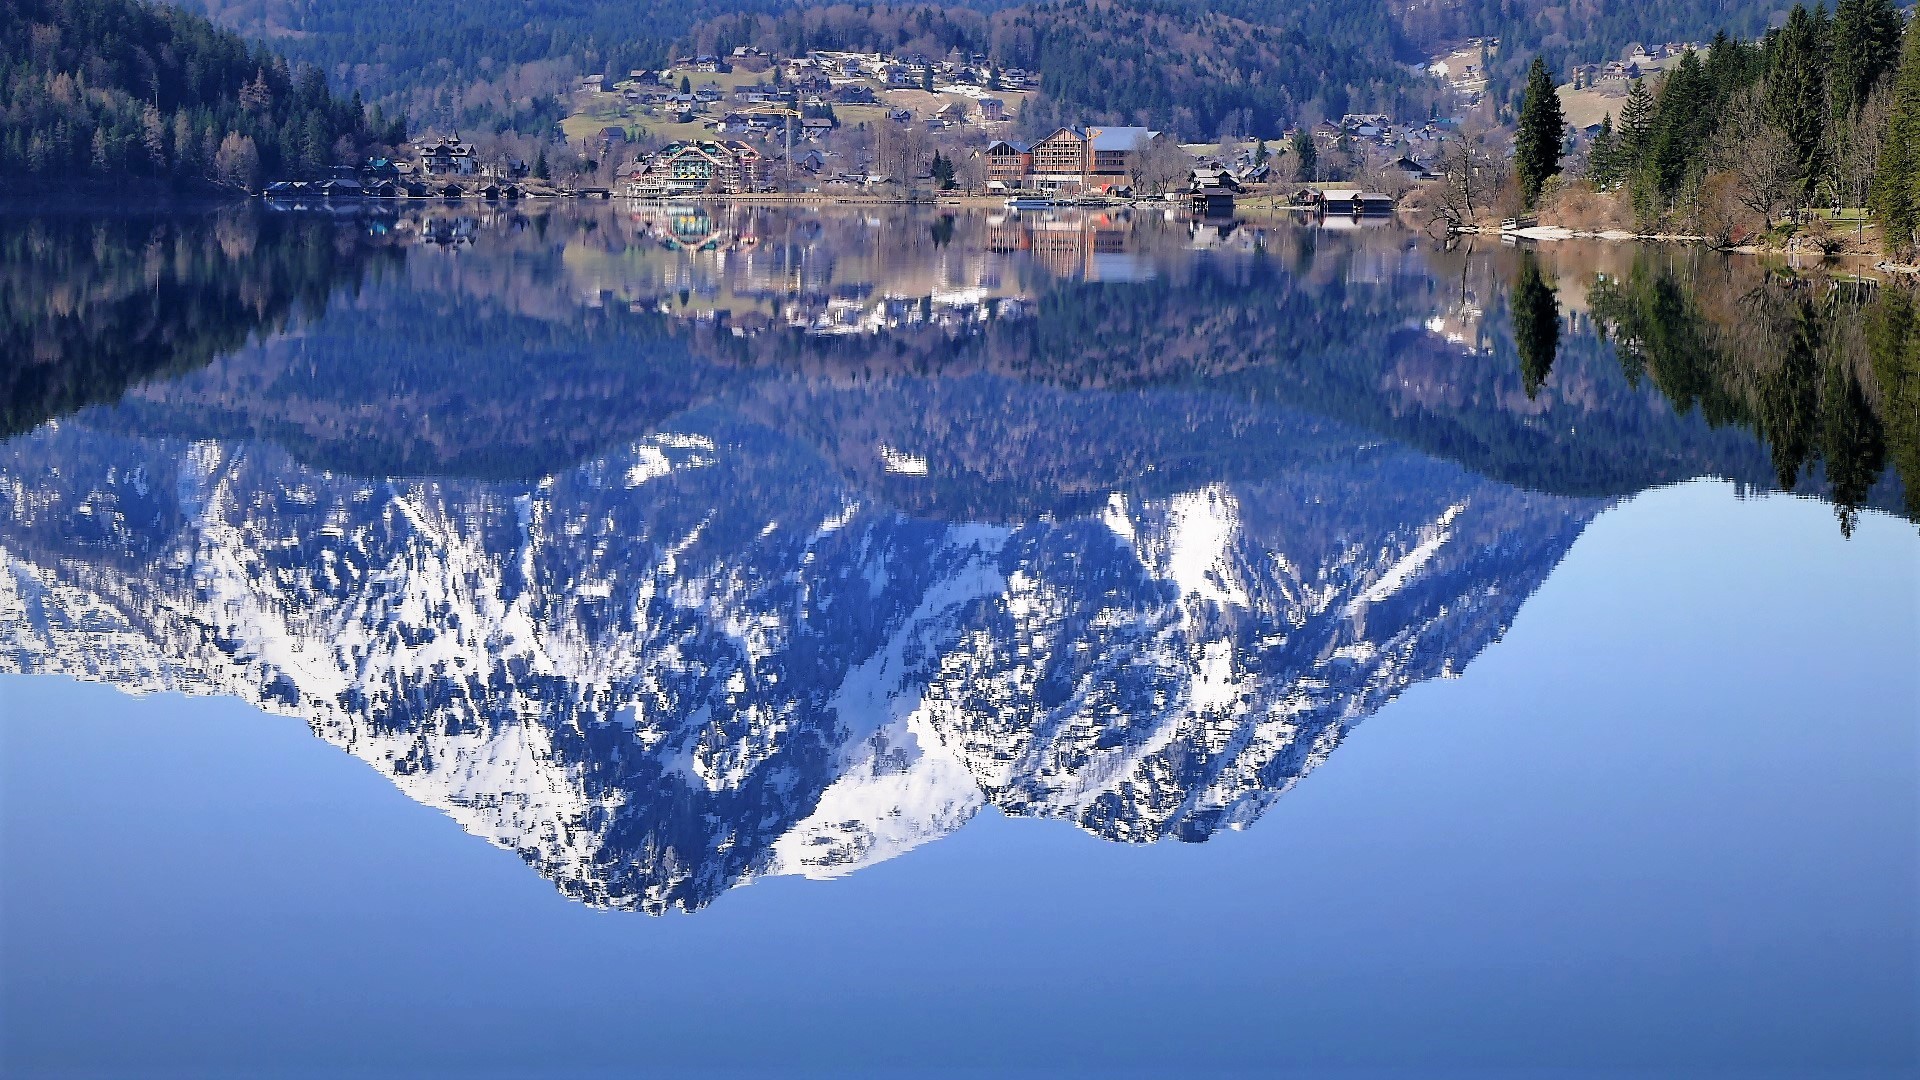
[[707, 657]]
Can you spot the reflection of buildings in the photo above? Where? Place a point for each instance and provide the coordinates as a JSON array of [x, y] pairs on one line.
[[1092, 246], [1084, 246], [836, 275], [691, 227]]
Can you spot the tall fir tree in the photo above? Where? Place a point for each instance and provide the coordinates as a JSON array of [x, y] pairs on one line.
[[1306, 156], [1731, 66], [1866, 46], [1536, 153], [1683, 124], [1603, 156], [1636, 126], [1892, 198], [1797, 93]]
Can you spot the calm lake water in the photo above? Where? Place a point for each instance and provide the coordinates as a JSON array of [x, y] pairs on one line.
[[706, 641]]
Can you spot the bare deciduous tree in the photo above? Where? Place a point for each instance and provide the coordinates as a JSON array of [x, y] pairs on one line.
[[1236, 124], [1158, 165], [1857, 152], [969, 169], [901, 152], [1757, 155], [1469, 176]]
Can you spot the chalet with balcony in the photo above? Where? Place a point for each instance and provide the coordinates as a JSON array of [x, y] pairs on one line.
[[445, 157]]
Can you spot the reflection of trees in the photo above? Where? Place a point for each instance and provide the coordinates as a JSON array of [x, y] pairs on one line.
[[1536, 323], [486, 362], [1852, 443], [1893, 350], [1819, 369], [90, 307]]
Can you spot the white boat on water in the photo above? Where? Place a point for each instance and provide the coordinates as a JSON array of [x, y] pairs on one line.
[[1035, 202]]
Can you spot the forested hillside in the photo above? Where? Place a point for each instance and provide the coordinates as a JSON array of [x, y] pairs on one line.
[[117, 88], [470, 64], [1174, 66], [498, 64], [1569, 32]]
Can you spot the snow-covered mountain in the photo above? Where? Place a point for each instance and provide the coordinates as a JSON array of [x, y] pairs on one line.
[[710, 655]]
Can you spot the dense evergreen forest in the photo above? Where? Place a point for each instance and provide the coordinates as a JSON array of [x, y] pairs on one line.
[[93, 89]]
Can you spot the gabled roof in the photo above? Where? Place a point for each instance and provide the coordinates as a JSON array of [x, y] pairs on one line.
[[1012, 145]]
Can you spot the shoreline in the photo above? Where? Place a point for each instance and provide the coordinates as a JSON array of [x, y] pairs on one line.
[[121, 202], [1539, 233]]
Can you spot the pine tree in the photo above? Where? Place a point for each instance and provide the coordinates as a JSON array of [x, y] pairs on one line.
[[1796, 93], [1731, 66], [541, 171], [1603, 156], [1636, 127], [1866, 45], [1306, 155], [1536, 153], [1892, 198], [1682, 125]]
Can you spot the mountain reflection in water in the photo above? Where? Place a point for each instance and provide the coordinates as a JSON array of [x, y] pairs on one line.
[[673, 547]]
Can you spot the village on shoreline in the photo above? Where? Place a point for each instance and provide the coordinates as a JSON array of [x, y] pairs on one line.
[[859, 127], [835, 127]]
